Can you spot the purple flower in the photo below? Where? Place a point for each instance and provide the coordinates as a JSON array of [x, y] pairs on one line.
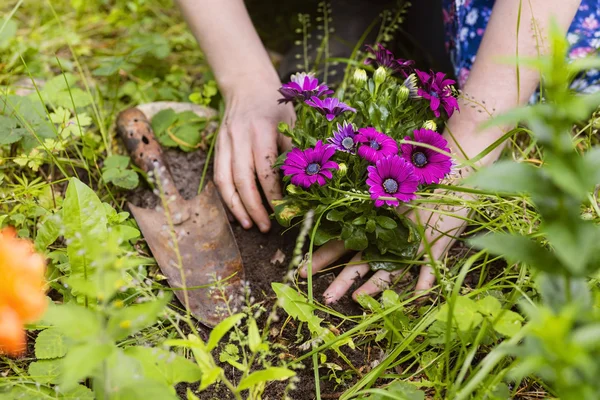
[[344, 138], [330, 107], [303, 86], [430, 166], [311, 165], [437, 90], [375, 145], [392, 177], [385, 58]]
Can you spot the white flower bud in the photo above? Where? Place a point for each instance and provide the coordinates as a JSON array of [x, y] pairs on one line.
[[360, 77]]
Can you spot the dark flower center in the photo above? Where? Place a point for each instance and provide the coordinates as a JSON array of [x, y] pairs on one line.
[[348, 143], [419, 159], [312, 168], [374, 144], [434, 94], [390, 186]]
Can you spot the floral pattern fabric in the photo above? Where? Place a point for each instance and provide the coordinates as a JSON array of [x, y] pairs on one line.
[[465, 22]]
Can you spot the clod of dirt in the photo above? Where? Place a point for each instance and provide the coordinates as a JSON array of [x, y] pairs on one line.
[[278, 257]]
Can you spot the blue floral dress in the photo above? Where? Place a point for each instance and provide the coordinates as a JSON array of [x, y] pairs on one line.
[[465, 22]]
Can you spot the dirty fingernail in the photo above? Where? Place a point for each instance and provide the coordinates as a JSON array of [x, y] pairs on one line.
[[263, 227], [246, 224]]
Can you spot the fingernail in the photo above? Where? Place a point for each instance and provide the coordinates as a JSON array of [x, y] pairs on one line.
[[246, 224], [329, 299], [263, 227]]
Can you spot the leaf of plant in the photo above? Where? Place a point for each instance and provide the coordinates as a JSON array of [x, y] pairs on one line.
[[73, 321], [131, 319], [254, 339], [81, 361], [357, 241], [163, 366], [386, 222], [266, 375], [524, 178], [508, 324], [9, 133], [398, 391], [50, 343], [80, 392], [9, 32], [126, 179], [465, 315], [518, 248], [48, 232], [489, 306], [189, 136], [190, 395], [83, 215], [116, 161], [221, 330], [163, 120], [575, 242], [45, 371], [297, 307], [335, 215]]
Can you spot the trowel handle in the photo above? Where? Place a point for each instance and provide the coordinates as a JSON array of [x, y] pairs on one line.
[[136, 132]]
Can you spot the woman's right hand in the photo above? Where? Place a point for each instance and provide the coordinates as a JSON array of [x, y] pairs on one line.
[[248, 144]]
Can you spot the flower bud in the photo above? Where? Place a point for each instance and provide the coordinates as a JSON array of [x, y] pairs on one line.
[[292, 189], [403, 94], [342, 170], [379, 76], [430, 124], [360, 77]]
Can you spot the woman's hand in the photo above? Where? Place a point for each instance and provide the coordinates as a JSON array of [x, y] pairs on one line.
[[442, 226], [247, 147]]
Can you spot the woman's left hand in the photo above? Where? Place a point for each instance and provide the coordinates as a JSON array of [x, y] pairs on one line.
[[440, 233]]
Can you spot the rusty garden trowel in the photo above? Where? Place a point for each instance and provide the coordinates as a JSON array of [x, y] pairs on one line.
[[192, 237]]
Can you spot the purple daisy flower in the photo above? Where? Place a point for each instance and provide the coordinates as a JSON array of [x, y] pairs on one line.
[[375, 145], [392, 177], [344, 138], [430, 166], [311, 165], [302, 86], [437, 90], [330, 107], [385, 58]]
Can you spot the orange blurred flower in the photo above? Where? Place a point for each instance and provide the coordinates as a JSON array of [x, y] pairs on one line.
[[22, 290]]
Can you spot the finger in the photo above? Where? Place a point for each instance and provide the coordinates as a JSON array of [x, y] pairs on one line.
[[284, 143], [245, 184], [224, 180], [344, 281], [380, 281], [327, 254], [426, 279], [264, 158]]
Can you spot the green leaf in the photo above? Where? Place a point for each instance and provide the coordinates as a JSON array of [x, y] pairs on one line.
[[524, 178], [508, 324], [489, 306], [189, 136], [221, 330], [9, 32], [398, 391], [50, 343], [518, 249], [386, 222], [45, 371], [116, 161], [163, 366], [357, 241], [79, 392], [254, 339], [81, 361], [465, 314], [48, 232], [336, 215], [575, 242], [269, 374], [297, 307], [9, 133], [62, 91], [83, 217], [74, 321], [190, 395], [131, 319]]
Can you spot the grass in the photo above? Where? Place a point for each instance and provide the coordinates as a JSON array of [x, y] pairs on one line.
[[113, 55]]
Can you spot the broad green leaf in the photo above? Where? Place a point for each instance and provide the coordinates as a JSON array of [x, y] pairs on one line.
[[131, 319], [335, 215], [163, 366], [48, 232], [465, 314], [221, 330], [9, 132], [72, 320], [575, 243], [508, 324], [518, 248], [269, 374], [163, 120], [489, 306], [398, 391], [45, 371], [386, 222], [84, 218], [144, 389], [80, 392], [62, 91], [116, 161], [190, 395], [357, 240], [50, 343], [254, 339], [81, 361], [297, 307], [553, 289], [8, 32], [524, 178]]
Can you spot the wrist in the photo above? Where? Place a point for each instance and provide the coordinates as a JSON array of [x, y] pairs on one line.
[[255, 79]]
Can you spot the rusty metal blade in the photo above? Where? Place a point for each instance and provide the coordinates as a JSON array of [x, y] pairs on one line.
[[204, 249]]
